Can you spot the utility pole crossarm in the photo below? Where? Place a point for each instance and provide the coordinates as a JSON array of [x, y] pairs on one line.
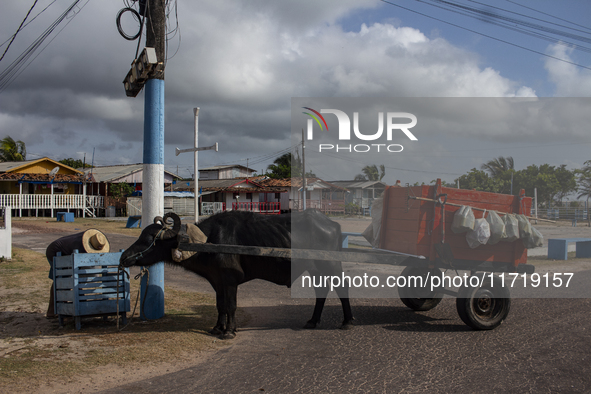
[[178, 151]]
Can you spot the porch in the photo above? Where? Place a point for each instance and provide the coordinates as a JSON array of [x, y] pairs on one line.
[[87, 205]]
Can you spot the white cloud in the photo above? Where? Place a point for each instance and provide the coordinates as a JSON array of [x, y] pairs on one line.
[[241, 62], [570, 80]]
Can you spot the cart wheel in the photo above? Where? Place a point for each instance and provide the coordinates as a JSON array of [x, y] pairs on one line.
[[484, 308], [419, 299]]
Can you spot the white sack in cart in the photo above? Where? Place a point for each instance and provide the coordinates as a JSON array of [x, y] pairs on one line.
[[463, 220], [524, 226], [536, 239], [531, 237], [480, 234], [511, 228], [497, 227]]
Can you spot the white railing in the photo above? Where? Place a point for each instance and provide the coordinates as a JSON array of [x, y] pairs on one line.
[[49, 201]]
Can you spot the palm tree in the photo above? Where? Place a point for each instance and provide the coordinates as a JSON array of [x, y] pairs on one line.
[[11, 150], [498, 166], [371, 173]]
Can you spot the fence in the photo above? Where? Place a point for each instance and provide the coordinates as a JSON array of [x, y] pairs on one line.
[[325, 206], [566, 213], [51, 201], [260, 207], [183, 206]]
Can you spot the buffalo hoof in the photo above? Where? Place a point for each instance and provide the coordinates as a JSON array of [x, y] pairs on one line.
[[348, 325], [310, 325], [216, 331], [228, 335]]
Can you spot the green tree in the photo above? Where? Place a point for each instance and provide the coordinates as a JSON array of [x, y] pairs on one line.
[[282, 167], [542, 178], [11, 150], [371, 173], [75, 163], [567, 181], [498, 166], [121, 189], [501, 170], [478, 180], [584, 185], [286, 166]]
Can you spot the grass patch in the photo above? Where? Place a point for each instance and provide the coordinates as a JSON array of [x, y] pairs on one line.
[[35, 351]]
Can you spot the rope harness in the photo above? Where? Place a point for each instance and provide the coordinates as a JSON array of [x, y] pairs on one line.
[[144, 271]]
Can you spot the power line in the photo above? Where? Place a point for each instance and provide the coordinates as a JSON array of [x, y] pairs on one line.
[[262, 158], [392, 168], [17, 30], [22, 62], [550, 15], [29, 22], [486, 35]]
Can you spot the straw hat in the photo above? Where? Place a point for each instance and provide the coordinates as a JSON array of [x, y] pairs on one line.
[[95, 242]]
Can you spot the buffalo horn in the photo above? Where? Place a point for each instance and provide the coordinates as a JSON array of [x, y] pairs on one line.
[[159, 220], [171, 232]]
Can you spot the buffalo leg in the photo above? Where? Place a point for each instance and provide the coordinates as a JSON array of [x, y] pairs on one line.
[[343, 293], [321, 293], [220, 326], [230, 305]]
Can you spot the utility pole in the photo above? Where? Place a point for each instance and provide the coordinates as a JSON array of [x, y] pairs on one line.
[[196, 150], [152, 286], [303, 170]]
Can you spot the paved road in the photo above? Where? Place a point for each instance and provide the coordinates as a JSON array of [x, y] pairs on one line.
[[543, 346]]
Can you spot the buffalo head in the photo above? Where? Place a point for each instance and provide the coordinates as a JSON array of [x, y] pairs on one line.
[[155, 242]]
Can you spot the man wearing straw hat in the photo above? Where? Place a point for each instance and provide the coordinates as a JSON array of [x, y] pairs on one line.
[[89, 241]]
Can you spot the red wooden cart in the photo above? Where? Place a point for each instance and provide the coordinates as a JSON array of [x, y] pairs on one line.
[[417, 221]]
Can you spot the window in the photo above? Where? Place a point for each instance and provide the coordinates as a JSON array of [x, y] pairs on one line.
[[249, 196], [277, 196]]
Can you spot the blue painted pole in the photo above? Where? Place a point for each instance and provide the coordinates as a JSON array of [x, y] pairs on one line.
[[152, 287]]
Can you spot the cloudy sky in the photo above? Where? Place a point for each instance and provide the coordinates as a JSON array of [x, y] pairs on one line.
[[242, 62]]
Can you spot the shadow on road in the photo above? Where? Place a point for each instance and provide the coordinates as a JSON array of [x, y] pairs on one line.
[[391, 317]]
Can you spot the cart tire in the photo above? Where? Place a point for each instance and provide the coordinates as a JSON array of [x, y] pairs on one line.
[[425, 300], [486, 307]]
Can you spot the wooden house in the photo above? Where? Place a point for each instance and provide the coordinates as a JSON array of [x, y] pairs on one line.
[[42, 186]]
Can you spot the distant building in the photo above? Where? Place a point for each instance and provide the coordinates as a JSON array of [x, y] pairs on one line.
[[225, 172], [100, 178], [361, 193]]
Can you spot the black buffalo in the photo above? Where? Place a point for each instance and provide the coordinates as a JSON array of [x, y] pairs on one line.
[[225, 272]]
